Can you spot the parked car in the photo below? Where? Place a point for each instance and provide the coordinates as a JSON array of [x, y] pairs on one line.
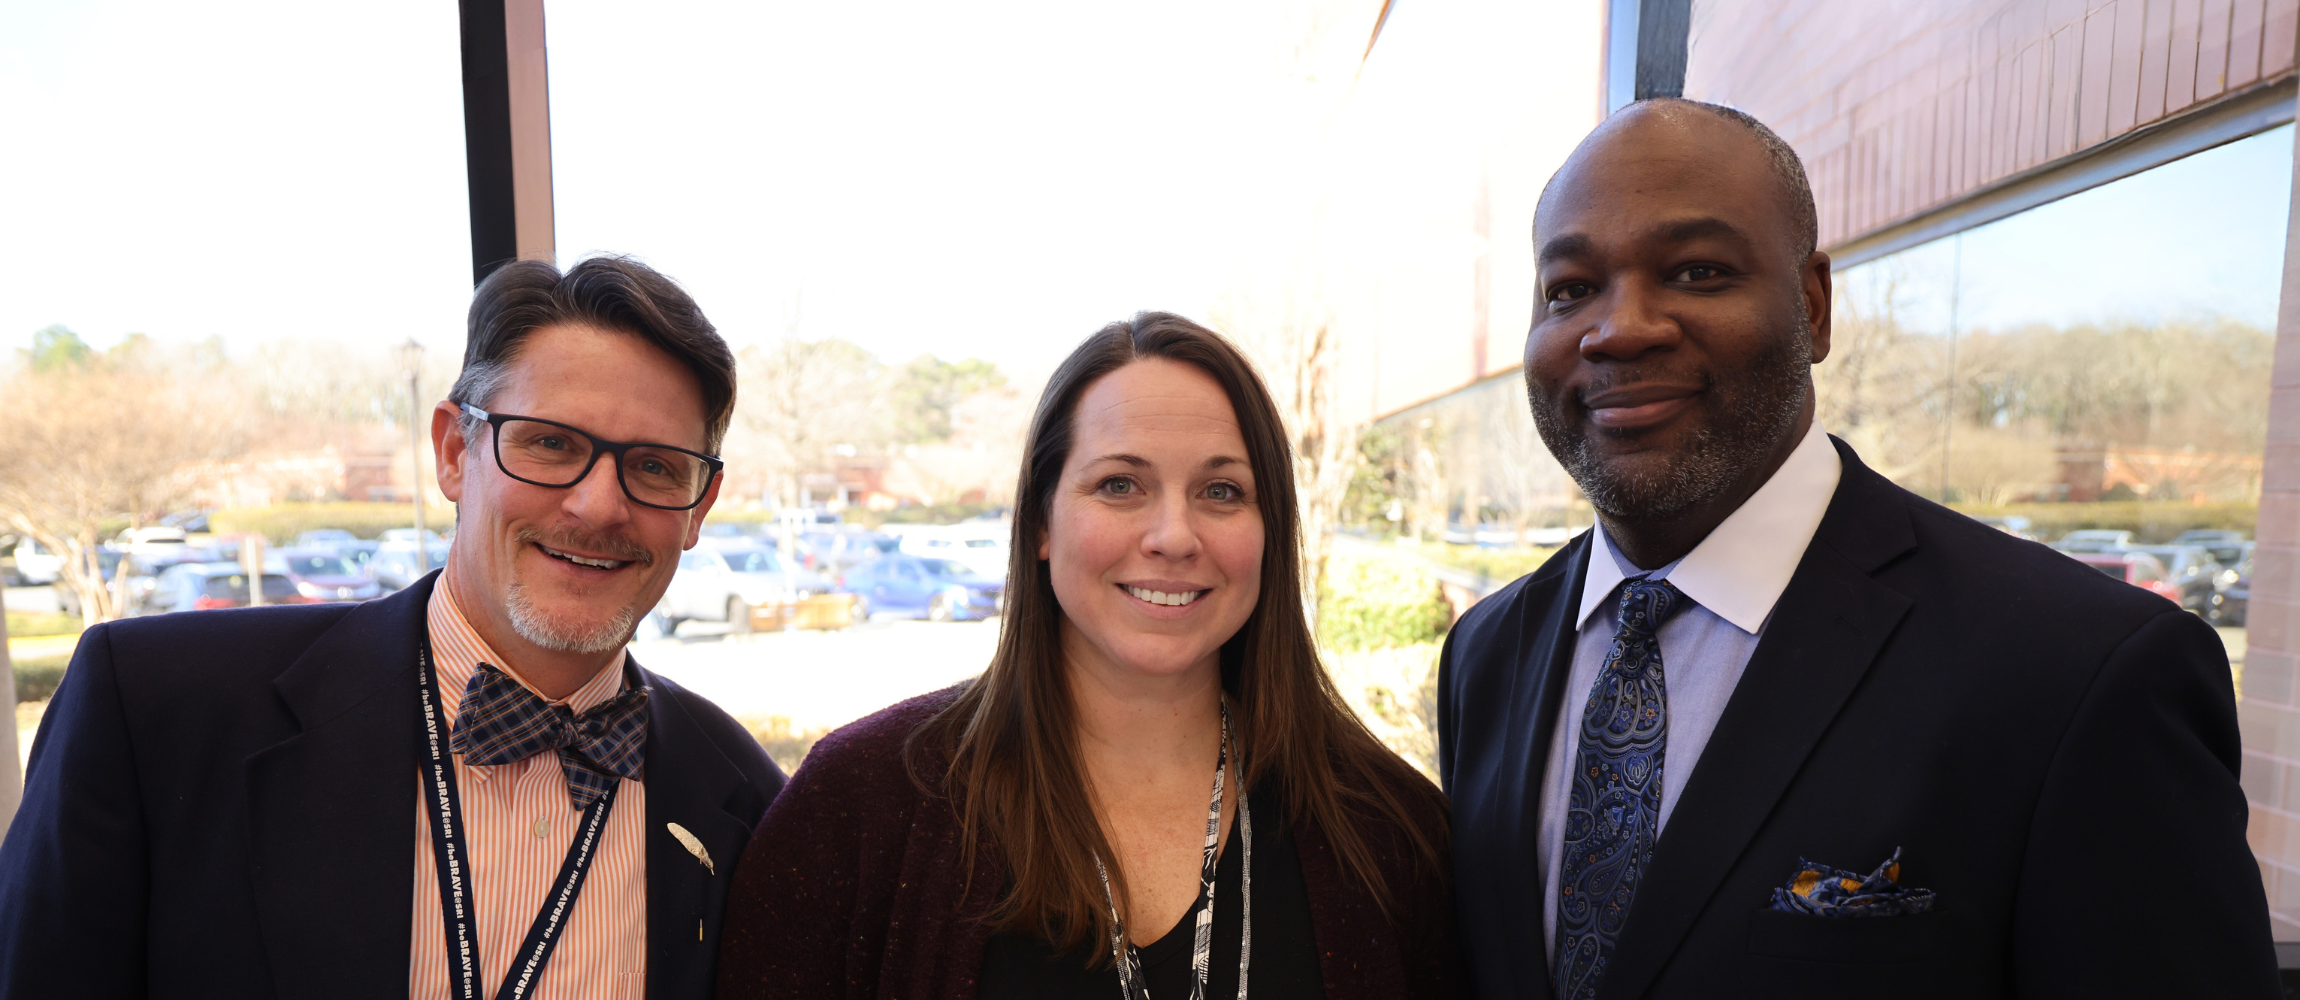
[[358, 552], [144, 570], [981, 545], [2232, 596], [324, 538], [150, 541], [2189, 567], [2137, 568], [408, 535], [206, 586], [831, 552], [36, 565], [2227, 545], [322, 575], [394, 564], [934, 589], [2093, 540], [722, 583]]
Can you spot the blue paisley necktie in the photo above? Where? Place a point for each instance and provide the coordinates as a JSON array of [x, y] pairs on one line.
[[501, 721], [1614, 812]]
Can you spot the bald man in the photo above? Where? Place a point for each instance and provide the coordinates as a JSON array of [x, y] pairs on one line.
[[1777, 727]]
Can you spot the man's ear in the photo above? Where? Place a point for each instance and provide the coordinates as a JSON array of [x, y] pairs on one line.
[[452, 452], [702, 510], [1818, 289]]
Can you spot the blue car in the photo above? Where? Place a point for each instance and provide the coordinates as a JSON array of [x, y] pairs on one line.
[[913, 587]]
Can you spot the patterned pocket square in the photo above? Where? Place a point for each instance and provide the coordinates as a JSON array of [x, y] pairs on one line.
[[1823, 891]]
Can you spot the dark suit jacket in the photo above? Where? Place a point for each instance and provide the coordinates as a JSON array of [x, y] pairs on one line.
[[223, 803], [2054, 751]]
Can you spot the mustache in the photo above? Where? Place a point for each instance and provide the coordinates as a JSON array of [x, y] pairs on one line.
[[1609, 379], [590, 542]]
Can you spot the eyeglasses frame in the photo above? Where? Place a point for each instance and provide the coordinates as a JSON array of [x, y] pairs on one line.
[[599, 446]]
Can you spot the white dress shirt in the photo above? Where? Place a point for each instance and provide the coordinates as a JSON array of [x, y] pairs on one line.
[[1733, 577]]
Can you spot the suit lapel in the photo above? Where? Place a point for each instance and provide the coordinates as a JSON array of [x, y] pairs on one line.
[[1545, 650], [690, 783], [1822, 636], [332, 809]]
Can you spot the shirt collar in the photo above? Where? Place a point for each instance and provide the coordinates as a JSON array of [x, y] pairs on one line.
[[1740, 570], [457, 651]]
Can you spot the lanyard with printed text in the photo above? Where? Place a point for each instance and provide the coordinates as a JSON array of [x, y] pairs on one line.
[[452, 857]]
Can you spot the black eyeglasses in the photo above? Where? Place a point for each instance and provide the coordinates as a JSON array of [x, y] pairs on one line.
[[549, 453]]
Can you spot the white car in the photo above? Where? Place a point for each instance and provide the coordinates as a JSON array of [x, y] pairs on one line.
[[36, 565], [980, 546], [722, 583]]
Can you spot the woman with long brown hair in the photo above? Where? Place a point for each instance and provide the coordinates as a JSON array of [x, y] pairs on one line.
[[1154, 789]]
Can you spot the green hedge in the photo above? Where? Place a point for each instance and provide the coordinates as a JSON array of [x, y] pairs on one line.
[[2150, 521], [27, 623], [281, 523], [36, 680], [1380, 603], [788, 747], [1498, 565]]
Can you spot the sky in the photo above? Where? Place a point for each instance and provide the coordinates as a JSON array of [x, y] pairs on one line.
[[2199, 237], [257, 169], [993, 181], [967, 180]]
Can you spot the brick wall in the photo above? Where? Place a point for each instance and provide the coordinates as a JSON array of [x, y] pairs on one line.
[[1901, 105], [2270, 709]]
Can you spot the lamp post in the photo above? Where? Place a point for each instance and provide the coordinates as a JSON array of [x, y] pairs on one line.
[[411, 358]]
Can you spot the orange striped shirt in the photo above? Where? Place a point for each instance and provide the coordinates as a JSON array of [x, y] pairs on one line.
[[520, 823]]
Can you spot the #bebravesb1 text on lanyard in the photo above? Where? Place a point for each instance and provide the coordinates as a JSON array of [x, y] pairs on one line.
[[452, 857]]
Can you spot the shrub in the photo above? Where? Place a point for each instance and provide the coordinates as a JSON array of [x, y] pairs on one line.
[[1395, 692], [30, 623], [787, 746], [1380, 602], [1497, 565], [36, 680]]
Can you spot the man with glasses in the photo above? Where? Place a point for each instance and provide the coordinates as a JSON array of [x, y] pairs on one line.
[[467, 789]]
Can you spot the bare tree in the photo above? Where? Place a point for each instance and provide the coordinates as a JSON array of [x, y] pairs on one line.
[[800, 400], [87, 445]]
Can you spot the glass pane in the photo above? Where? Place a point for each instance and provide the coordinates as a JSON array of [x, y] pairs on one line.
[[2114, 345], [2093, 373]]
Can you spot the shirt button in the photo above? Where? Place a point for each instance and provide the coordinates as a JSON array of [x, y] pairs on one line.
[[542, 826]]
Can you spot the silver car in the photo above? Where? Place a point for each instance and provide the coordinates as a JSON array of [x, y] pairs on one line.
[[722, 583]]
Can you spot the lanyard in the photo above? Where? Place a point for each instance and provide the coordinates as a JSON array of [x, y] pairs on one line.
[[450, 852], [1129, 961]]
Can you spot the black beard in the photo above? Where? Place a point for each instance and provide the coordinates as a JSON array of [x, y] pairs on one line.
[[1750, 412]]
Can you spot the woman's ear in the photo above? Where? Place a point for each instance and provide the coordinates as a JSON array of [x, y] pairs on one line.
[[1044, 544]]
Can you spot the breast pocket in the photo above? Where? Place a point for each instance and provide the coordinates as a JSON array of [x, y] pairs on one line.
[[1801, 937]]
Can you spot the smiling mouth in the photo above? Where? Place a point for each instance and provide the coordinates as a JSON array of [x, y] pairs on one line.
[[1172, 600], [586, 562]]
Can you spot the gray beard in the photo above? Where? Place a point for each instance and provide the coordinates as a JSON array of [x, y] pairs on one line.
[[559, 636], [1752, 415]]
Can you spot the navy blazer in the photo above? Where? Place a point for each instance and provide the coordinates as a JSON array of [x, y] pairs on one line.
[[2054, 751], [223, 803]]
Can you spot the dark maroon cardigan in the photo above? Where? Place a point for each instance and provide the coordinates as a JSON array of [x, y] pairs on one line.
[[851, 889]]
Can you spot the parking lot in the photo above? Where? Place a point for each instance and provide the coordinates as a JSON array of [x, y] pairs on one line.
[[820, 680]]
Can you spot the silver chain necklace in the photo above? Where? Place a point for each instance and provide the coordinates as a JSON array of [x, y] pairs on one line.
[[1123, 953]]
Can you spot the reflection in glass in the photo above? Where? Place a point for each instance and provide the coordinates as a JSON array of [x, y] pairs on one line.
[[2114, 345]]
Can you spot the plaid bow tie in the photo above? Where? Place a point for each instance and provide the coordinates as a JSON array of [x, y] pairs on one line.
[[502, 722]]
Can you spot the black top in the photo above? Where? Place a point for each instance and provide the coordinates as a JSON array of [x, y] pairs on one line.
[[1018, 966]]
